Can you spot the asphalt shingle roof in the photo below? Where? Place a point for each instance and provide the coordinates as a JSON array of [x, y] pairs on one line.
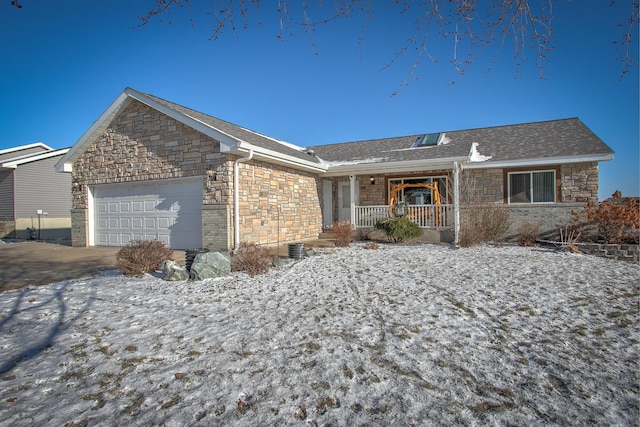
[[244, 134], [539, 140]]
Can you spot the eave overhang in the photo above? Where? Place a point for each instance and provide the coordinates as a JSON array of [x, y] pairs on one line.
[[543, 161], [393, 167]]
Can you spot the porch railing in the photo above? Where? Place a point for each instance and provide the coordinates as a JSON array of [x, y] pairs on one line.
[[426, 216]]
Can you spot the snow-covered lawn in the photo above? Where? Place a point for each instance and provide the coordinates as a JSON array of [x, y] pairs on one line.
[[402, 335]]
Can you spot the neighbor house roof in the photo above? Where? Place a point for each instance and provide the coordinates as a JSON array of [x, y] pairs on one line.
[[23, 150], [548, 142], [233, 138], [14, 162]]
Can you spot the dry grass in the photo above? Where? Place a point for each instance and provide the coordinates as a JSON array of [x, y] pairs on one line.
[[528, 234]]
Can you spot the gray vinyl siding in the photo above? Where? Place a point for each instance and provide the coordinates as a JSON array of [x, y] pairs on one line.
[[6, 195], [19, 153], [39, 186]]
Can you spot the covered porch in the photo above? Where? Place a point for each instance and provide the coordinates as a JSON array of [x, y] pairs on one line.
[[428, 197]]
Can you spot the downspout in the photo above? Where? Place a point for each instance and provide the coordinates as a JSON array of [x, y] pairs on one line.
[[456, 203], [236, 201]]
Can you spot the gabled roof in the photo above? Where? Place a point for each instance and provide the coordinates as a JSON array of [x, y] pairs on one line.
[[233, 139], [14, 162], [529, 144], [548, 142]]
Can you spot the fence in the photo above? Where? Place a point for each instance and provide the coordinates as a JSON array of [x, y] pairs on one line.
[[426, 216]]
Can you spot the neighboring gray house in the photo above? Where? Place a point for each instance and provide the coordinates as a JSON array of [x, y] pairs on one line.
[[152, 169], [32, 194]]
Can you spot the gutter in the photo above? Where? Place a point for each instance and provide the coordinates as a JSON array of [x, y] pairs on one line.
[[605, 157], [236, 201]]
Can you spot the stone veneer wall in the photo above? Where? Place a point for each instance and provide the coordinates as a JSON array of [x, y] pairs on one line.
[[263, 189], [579, 182], [142, 144]]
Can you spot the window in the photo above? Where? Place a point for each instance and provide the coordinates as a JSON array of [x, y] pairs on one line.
[[532, 187], [417, 195]]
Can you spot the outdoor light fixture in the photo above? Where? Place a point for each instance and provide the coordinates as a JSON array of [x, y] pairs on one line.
[[372, 180]]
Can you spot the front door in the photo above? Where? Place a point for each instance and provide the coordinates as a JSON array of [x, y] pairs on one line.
[[344, 201]]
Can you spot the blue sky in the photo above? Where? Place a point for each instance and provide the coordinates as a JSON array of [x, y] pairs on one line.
[[64, 62]]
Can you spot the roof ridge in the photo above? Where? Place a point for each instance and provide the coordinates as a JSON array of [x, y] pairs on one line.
[[447, 131]]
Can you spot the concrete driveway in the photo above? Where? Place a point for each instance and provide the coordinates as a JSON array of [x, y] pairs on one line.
[[39, 263]]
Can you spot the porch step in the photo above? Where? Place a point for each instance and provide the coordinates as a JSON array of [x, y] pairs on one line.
[[327, 235]]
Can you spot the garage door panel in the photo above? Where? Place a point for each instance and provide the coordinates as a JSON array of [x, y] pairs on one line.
[[167, 211]]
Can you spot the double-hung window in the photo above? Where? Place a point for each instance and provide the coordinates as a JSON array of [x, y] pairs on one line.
[[532, 187]]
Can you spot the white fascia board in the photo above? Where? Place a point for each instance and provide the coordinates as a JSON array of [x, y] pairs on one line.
[[26, 147], [393, 167], [490, 164], [100, 125], [278, 158]]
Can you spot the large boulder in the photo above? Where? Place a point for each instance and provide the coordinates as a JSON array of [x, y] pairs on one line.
[[210, 265], [172, 272]]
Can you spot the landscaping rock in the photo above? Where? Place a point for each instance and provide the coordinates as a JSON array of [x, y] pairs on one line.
[[172, 272], [210, 265]]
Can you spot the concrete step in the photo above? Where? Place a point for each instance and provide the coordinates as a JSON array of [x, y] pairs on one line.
[[327, 235]]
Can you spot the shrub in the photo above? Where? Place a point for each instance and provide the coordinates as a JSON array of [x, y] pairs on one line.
[[251, 258], [142, 256], [528, 234], [617, 218], [484, 224], [399, 229], [344, 233]]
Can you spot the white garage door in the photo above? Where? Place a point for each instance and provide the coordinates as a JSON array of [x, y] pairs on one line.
[[168, 211]]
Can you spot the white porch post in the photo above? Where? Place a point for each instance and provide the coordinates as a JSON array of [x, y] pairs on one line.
[[456, 203], [352, 194]]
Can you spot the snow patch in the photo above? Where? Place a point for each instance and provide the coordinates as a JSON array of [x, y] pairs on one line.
[[402, 335]]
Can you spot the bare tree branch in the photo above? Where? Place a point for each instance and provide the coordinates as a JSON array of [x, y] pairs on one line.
[[471, 25]]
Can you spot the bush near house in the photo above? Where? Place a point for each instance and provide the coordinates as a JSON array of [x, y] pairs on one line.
[[343, 232], [142, 256], [617, 218], [252, 258], [399, 229], [484, 224]]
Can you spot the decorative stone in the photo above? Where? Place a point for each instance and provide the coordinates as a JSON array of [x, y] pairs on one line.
[[210, 265], [172, 272]]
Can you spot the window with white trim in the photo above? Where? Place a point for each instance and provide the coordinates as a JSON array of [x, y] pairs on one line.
[[532, 187]]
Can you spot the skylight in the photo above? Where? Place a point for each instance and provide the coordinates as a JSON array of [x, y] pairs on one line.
[[427, 140]]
